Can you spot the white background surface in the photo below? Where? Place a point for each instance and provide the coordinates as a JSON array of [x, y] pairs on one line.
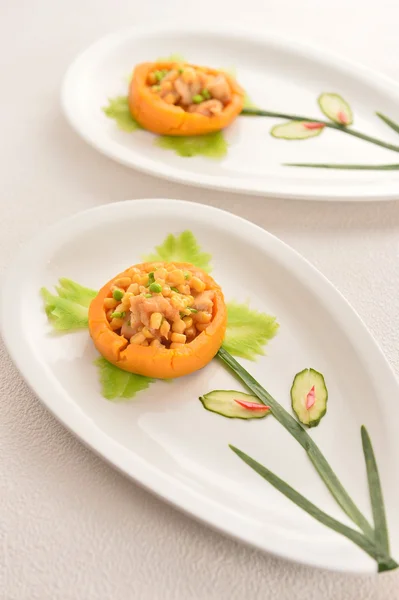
[[71, 527]]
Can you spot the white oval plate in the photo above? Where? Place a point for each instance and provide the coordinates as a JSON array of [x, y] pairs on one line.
[[164, 438], [279, 75]]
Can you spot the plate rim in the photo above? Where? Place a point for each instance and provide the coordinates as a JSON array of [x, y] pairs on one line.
[[191, 502], [357, 192]]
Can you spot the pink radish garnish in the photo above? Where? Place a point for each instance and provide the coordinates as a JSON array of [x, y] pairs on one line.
[[342, 117], [313, 125], [310, 398], [252, 405]]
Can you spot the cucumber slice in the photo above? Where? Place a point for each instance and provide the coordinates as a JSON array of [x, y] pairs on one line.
[[297, 130], [336, 108], [223, 402], [309, 397]]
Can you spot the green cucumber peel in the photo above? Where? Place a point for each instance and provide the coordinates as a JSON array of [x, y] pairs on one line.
[[306, 381], [335, 108], [223, 402], [296, 130]]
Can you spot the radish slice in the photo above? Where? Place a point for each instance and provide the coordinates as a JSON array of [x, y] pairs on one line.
[[310, 398], [297, 130], [252, 405], [336, 109]]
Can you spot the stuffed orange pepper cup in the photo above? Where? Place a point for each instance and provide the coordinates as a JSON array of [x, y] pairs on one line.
[[161, 320], [180, 99]]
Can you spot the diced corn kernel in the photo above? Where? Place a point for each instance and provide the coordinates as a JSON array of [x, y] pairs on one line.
[[197, 284], [160, 273], [177, 302], [188, 321], [133, 289], [110, 313], [123, 282], [202, 326], [126, 300], [142, 289], [144, 279], [178, 326], [138, 338], [176, 345], [179, 338], [136, 278], [164, 329], [176, 277], [189, 75], [155, 320], [147, 333], [166, 86], [110, 303], [171, 98], [166, 291], [145, 343], [186, 311], [116, 324], [184, 288], [202, 317], [151, 79]]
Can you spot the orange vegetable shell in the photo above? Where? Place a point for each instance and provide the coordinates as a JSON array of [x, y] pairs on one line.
[[152, 113], [154, 362]]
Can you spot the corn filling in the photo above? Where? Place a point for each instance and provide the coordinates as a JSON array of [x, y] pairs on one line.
[[162, 306], [192, 89]]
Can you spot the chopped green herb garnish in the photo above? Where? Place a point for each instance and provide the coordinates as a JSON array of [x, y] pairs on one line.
[[197, 98], [118, 315], [206, 94], [156, 88], [193, 310], [151, 278], [117, 294], [159, 75], [174, 289], [156, 288], [187, 275], [147, 295]]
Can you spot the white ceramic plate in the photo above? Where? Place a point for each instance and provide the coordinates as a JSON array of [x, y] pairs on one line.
[[164, 438], [279, 75]]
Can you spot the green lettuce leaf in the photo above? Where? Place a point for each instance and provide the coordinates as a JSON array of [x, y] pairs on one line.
[[70, 290], [248, 330], [118, 109], [181, 248], [69, 309], [211, 145], [116, 383]]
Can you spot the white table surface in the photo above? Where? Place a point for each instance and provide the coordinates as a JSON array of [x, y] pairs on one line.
[[71, 527]]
